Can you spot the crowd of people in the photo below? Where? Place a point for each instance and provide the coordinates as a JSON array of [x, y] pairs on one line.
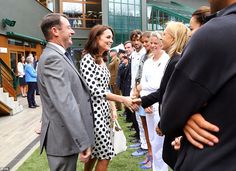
[[177, 87]]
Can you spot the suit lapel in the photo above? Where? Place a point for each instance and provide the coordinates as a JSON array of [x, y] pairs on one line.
[[69, 62]]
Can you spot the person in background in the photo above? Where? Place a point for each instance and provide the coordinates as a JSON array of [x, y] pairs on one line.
[[128, 48], [137, 60], [31, 80], [97, 77], [125, 78], [148, 162], [120, 54], [21, 75], [199, 17], [35, 67], [67, 114], [113, 67]]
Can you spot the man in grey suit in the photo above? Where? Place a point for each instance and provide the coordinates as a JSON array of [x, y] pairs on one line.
[[67, 118]]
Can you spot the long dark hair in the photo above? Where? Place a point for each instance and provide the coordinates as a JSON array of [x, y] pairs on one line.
[[201, 14], [91, 45]]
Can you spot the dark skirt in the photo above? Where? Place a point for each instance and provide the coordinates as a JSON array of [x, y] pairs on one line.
[[22, 81]]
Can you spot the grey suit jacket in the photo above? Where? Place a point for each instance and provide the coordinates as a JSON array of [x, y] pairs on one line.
[[67, 116]]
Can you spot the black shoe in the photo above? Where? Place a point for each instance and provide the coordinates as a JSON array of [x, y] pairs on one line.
[[128, 121], [36, 105], [37, 94], [124, 114], [131, 126], [133, 136], [32, 106], [132, 129]]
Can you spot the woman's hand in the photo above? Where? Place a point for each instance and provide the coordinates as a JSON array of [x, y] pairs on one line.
[[128, 102], [158, 130], [148, 109], [176, 143], [135, 93], [139, 87], [114, 115]]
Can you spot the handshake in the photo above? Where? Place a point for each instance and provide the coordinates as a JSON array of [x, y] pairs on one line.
[[133, 103]]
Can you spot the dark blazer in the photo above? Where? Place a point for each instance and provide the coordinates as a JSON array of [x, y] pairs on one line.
[[124, 79], [118, 80], [169, 154], [67, 116], [205, 80]]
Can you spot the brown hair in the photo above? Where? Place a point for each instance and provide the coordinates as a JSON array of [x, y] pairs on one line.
[[135, 34], [91, 45], [49, 21], [146, 34], [201, 14], [128, 41]]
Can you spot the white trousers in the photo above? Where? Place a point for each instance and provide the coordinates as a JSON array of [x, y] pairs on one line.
[[141, 130], [156, 141]]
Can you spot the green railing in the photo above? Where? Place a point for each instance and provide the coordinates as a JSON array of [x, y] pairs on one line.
[[8, 79]]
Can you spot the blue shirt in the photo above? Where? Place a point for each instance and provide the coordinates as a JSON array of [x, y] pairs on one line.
[[30, 73]]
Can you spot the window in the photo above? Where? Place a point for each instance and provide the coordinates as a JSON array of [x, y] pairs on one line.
[[72, 9], [48, 4], [15, 42], [158, 16], [82, 13], [124, 16]]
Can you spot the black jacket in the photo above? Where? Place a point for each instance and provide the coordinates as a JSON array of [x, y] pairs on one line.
[[206, 74], [157, 95], [124, 78]]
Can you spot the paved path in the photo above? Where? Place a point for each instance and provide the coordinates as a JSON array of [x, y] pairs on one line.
[[17, 136]]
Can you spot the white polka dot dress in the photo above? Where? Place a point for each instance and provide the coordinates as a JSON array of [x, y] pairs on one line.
[[97, 78]]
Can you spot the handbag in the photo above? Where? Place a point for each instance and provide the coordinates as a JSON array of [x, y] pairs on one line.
[[118, 138]]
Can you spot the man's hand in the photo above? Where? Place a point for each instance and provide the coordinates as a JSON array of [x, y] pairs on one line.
[[198, 131], [85, 155]]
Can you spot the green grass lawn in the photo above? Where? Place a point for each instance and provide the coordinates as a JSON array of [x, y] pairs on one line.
[[123, 161]]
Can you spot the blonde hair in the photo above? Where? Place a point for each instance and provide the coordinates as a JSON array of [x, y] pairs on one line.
[[180, 34], [157, 35]]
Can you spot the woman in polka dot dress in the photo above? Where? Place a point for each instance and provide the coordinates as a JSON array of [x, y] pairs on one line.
[[97, 77]]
